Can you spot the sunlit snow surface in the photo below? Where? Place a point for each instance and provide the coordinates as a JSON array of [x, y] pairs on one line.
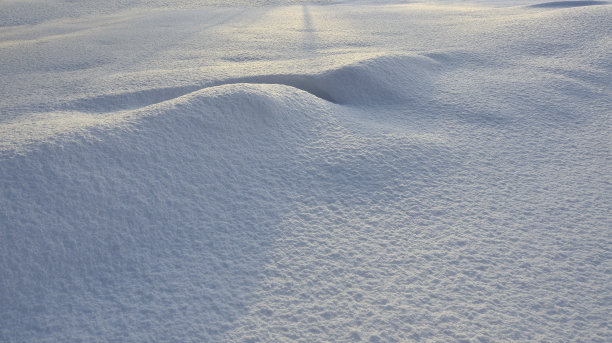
[[333, 171]]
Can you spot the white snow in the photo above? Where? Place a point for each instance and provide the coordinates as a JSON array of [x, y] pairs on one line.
[[323, 171]]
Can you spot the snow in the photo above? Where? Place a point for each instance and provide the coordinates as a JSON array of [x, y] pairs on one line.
[[325, 171], [561, 4]]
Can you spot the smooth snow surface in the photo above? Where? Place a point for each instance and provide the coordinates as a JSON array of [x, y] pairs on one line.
[[331, 171]]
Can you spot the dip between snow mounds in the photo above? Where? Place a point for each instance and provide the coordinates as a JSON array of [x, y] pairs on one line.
[[377, 81]]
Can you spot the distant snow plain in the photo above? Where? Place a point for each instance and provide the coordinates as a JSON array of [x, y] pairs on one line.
[[324, 171]]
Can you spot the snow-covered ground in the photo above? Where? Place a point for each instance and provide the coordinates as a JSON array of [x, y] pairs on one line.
[[323, 171]]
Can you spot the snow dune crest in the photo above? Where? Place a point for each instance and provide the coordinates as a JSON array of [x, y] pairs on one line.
[[250, 103]]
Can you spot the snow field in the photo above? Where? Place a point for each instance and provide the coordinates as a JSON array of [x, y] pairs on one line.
[[351, 172]]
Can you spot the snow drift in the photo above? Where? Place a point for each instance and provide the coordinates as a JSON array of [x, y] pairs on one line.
[[191, 193]]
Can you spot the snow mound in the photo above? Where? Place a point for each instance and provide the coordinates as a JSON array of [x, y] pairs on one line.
[[383, 80], [199, 180]]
